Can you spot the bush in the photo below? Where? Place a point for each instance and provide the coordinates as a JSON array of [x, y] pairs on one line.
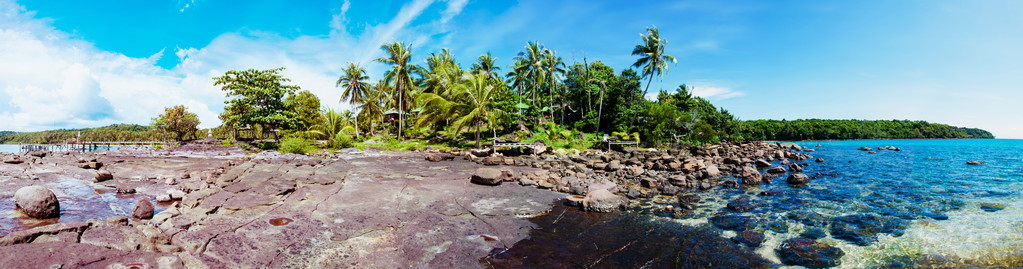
[[342, 140], [297, 145]]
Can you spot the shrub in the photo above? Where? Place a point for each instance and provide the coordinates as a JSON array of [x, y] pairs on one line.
[[342, 140], [297, 145]]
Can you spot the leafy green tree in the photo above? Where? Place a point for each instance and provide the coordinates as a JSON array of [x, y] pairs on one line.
[[257, 98], [307, 107], [487, 64], [356, 89], [178, 121], [401, 77], [652, 59], [481, 105]]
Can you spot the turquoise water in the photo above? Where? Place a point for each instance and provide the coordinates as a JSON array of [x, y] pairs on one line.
[[11, 148], [921, 207]]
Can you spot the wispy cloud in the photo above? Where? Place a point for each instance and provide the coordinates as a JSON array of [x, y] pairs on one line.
[[185, 4], [716, 92]]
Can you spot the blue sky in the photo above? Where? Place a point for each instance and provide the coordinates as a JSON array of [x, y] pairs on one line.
[[91, 63]]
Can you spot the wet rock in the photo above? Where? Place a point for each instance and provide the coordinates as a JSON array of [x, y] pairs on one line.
[[143, 209], [798, 179], [810, 253], [487, 176], [814, 233], [975, 162], [795, 168], [864, 148], [102, 175], [750, 176], [862, 229], [741, 204], [37, 202], [820, 160], [602, 201], [733, 222], [749, 238], [776, 170], [991, 207], [762, 163], [633, 193]]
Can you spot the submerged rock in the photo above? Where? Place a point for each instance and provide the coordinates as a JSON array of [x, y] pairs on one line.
[[862, 229], [733, 222], [810, 253], [749, 238], [798, 179], [37, 202], [975, 162]]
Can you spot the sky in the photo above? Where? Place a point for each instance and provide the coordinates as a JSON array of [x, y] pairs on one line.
[[73, 64]]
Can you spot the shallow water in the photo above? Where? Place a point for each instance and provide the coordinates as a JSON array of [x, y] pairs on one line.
[[79, 201], [922, 206]]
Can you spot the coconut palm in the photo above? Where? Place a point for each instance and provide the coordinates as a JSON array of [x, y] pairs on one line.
[[353, 81], [479, 95], [372, 109], [652, 59], [400, 77], [529, 65], [486, 64], [553, 71]]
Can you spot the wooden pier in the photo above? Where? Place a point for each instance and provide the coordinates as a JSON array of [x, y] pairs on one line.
[[83, 146]]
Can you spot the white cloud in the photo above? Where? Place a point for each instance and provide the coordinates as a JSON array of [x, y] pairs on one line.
[[715, 92], [49, 79], [185, 4]]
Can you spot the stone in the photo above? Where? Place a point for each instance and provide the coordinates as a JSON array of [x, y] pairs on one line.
[[12, 160], [749, 238], [975, 162], [750, 176], [143, 209], [863, 229], [741, 204], [795, 168], [439, 157], [762, 163], [798, 179], [810, 253], [864, 148], [176, 194], [487, 176], [776, 170], [37, 202], [820, 160], [736, 223], [636, 171], [601, 201], [37, 153], [102, 175]]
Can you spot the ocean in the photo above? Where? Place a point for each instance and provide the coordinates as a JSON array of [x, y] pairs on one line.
[[921, 206]]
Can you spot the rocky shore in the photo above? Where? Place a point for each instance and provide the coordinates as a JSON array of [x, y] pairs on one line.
[[211, 207]]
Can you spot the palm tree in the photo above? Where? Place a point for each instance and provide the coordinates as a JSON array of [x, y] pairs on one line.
[[529, 65], [480, 104], [486, 64], [652, 58], [553, 70], [400, 76], [372, 109], [355, 87]]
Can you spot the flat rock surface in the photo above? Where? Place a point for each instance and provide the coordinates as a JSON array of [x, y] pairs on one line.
[[365, 211]]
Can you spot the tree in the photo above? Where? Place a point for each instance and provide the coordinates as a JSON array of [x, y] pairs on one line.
[[177, 120], [257, 98], [486, 64], [353, 81], [307, 108], [480, 96], [400, 77], [652, 58], [529, 70]]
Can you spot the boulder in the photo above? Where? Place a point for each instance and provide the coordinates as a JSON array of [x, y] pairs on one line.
[[37, 202], [487, 176], [792, 146], [636, 171], [480, 152], [776, 170], [864, 148], [12, 160], [810, 253], [750, 176], [91, 165], [749, 238], [741, 204], [601, 201], [102, 175], [762, 163], [820, 160], [37, 153], [975, 162], [795, 168], [176, 194], [712, 171], [143, 209], [798, 179], [162, 198], [439, 157]]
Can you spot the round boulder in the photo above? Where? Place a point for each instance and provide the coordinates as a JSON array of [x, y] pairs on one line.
[[143, 209], [487, 176], [798, 179], [37, 202], [102, 175], [601, 201]]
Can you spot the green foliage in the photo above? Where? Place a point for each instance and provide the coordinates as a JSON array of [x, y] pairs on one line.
[[816, 129], [307, 107], [256, 97], [178, 121], [297, 145], [116, 132], [652, 59]]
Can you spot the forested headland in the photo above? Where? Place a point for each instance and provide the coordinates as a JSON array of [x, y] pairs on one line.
[[435, 101]]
